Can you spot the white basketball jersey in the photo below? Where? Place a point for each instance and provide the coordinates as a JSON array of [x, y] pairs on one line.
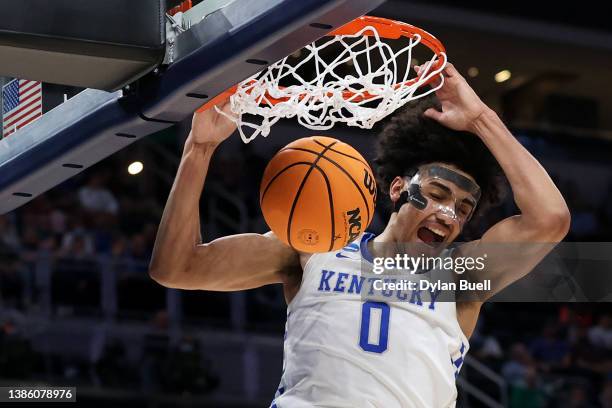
[[342, 351]]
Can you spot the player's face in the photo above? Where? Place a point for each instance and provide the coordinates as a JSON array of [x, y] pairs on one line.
[[441, 203]]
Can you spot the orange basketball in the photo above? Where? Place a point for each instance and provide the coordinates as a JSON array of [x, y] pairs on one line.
[[318, 194]]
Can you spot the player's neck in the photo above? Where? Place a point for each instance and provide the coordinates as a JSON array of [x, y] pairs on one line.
[[387, 235], [392, 241]]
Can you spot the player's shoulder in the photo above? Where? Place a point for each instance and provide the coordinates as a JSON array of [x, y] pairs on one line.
[[358, 249]]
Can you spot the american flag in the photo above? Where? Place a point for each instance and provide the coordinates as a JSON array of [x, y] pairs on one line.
[[22, 104]]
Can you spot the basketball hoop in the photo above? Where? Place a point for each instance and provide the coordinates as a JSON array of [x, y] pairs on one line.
[[361, 83]]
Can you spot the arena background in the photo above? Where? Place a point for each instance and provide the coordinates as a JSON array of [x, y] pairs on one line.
[[77, 306]]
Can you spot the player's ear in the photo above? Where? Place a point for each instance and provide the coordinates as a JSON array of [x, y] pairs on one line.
[[395, 188]]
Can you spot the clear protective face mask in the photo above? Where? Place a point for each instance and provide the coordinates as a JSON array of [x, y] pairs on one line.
[[439, 189]]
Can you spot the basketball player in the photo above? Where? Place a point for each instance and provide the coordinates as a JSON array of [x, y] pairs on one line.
[[438, 167]]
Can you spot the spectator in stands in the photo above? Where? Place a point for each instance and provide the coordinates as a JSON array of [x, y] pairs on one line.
[[601, 334], [75, 225], [530, 394], [138, 254], [63, 206], [77, 242], [575, 316], [515, 370], [119, 247], [36, 226], [8, 233], [30, 241], [550, 352], [95, 195], [485, 345], [588, 359], [103, 227]]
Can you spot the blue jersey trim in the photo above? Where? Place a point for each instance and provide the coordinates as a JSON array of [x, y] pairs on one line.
[[363, 246]]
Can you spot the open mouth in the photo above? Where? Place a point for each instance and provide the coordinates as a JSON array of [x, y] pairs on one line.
[[431, 236]]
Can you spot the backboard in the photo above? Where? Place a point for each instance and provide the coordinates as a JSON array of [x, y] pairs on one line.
[[209, 48]]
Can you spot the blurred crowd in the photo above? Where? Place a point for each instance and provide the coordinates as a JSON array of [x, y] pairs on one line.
[[550, 355], [101, 216], [73, 227]]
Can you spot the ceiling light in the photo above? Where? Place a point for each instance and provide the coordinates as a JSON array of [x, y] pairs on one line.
[[135, 168], [502, 76]]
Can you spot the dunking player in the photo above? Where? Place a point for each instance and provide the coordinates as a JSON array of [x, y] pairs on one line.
[[438, 166]]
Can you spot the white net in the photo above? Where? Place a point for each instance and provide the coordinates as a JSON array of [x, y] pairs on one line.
[[356, 79]]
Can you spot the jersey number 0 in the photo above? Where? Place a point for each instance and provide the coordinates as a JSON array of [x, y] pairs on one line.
[[383, 332]]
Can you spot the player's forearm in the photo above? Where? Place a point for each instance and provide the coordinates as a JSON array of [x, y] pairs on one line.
[[179, 229], [535, 194], [188, 149]]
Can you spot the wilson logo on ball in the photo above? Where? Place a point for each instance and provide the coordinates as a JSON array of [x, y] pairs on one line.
[[368, 182]]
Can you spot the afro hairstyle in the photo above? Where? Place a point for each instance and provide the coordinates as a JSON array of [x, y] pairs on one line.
[[409, 139]]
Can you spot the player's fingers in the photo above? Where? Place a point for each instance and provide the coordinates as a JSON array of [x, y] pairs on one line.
[[434, 81], [224, 105], [420, 69], [218, 100], [450, 71], [433, 114]]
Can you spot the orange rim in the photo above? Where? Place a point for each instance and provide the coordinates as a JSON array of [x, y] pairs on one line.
[[386, 28], [391, 30], [222, 96]]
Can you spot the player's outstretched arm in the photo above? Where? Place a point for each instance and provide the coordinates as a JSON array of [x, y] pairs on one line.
[[180, 259], [544, 219]]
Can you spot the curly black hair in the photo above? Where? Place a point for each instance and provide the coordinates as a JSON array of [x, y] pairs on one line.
[[409, 140]]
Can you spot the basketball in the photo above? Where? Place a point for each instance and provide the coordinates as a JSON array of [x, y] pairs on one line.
[[318, 194]]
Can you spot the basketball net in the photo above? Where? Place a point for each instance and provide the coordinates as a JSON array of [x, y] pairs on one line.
[[376, 87]]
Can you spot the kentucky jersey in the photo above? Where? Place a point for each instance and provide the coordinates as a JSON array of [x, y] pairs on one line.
[[342, 350]]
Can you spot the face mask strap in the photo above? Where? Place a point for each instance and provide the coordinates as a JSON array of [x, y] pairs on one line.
[[412, 195], [457, 179]]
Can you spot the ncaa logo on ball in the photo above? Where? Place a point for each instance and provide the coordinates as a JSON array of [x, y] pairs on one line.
[[354, 224], [308, 236]]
